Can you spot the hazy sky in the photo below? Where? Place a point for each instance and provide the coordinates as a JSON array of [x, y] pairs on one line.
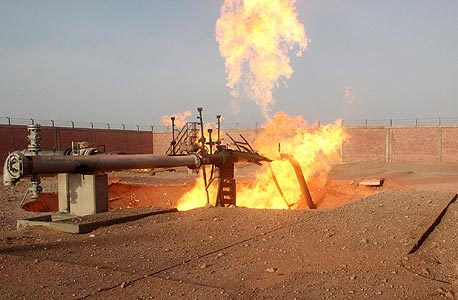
[[134, 61]]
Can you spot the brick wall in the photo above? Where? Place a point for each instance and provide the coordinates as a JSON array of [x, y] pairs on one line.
[[449, 145], [415, 144], [397, 144], [365, 144], [57, 139]]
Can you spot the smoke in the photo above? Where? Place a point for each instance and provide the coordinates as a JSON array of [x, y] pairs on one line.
[[348, 95], [180, 119], [254, 38]]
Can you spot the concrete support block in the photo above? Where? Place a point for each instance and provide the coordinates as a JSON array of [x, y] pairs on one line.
[[63, 192], [82, 195]]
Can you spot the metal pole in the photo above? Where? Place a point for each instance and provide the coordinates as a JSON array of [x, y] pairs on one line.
[[202, 142], [210, 142], [218, 118], [173, 135]]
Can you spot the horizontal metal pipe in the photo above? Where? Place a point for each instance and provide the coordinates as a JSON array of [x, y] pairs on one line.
[[35, 165]]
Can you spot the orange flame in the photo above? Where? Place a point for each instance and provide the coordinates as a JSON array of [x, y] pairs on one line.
[[180, 119], [259, 33], [315, 148]]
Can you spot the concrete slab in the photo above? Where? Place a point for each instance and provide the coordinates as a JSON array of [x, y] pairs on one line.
[[85, 224]]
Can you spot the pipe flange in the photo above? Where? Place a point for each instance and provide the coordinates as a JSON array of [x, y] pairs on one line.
[[198, 161], [14, 165]]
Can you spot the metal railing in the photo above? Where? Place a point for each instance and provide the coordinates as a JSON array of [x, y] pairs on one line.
[[231, 126], [76, 124]]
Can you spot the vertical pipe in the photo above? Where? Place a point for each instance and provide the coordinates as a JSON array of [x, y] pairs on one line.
[[210, 142], [218, 118], [202, 142], [172, 143], [300, 178]]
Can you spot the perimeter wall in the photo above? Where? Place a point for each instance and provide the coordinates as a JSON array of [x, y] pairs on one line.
[[424, 144]]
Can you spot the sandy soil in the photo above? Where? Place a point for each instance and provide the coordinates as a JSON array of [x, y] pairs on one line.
[[355, 246]]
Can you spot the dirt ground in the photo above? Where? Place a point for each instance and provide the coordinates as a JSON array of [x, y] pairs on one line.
[[397, 241]]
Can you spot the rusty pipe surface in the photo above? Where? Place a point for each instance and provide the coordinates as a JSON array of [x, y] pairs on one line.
[[227, 156], [300, 178], [18, 165]]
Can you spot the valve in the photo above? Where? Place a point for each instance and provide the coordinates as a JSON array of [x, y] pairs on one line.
[[34, 139]]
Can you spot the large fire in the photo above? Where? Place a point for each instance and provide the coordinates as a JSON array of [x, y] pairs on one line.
[[315, 148], [255, 36]]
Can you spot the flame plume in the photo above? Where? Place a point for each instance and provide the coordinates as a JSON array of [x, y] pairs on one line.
[[180, 119], [259, 33], [315, 148]]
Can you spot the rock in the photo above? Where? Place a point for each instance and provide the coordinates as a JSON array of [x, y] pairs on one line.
[[455, 286], [445, 293], [425, 271], [450, 294], [271, 270], [203, 266]]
